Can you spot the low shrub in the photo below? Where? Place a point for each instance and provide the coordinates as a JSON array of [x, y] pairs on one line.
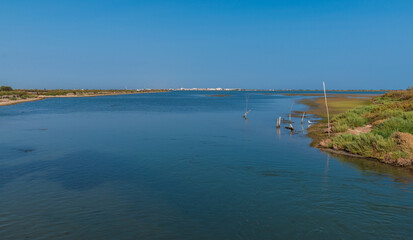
[[398, 155], [399, 95], [350, 119], [395, 124], [340, 127], [6, 88], [365, 144]]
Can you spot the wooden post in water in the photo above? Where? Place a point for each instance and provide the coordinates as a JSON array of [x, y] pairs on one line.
[[246, 105], [291, 110], [302, 119], [328, 114], [278, 122], [246, 110]]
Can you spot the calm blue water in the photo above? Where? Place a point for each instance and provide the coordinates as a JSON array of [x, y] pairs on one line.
[[183, 165]]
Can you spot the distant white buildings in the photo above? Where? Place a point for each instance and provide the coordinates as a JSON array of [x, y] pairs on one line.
[[205, 89], [195, 89]]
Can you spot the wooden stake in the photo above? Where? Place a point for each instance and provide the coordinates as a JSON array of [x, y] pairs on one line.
[[246, 105], [328, 114], [246, 110], [291, 110], [302, 119]]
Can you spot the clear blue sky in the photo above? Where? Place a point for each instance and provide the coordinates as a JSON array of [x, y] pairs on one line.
[[364, 44]]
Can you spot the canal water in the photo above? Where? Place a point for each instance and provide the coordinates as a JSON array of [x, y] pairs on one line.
[[186, 165]]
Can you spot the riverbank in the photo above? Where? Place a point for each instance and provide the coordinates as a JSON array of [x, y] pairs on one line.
[[22, 96], [6, 102], [379, 127]]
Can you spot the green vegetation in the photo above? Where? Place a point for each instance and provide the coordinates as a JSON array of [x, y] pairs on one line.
[[365, 144], [15, 94], [379, 127], [336, 104], [394, 124], [8, 95], [351, 119], [389, 113], [390, 139], [6, 88]]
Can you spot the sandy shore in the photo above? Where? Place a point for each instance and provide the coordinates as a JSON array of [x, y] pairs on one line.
[[87, 95], [6, 102]]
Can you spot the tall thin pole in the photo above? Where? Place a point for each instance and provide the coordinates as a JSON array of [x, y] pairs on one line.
[[291, 110], [246, 105], [328, 115]]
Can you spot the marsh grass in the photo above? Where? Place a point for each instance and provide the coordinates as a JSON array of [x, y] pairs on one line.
[[396, 108], [336, 105], [391, 117], [392, 125], [393, 113], [365, 144], [356, 117]]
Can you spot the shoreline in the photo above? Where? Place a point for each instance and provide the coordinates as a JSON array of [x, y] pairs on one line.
[[42, 97], [318, 132], [14, 102]]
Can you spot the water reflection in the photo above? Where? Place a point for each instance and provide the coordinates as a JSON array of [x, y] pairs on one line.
[[367, 166]]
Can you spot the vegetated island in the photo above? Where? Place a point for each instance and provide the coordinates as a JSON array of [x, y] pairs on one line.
[[379, 127], [10, 96]]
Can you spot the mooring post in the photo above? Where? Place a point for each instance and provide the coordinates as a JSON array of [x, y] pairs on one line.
[[328, 115], [302, 119]]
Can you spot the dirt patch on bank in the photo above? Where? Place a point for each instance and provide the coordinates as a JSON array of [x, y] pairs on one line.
[[358, 130]]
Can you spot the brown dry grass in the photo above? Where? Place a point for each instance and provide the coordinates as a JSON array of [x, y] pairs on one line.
[[336, 105], [359, 95]]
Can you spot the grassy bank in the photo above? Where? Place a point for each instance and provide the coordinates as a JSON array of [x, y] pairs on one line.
[[9, 96], [379, 128]]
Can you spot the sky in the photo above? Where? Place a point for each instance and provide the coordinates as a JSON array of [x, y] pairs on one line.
[[288, 44]]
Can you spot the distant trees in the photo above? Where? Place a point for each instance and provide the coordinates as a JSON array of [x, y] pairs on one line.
[[6, 88], [410, 88]]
